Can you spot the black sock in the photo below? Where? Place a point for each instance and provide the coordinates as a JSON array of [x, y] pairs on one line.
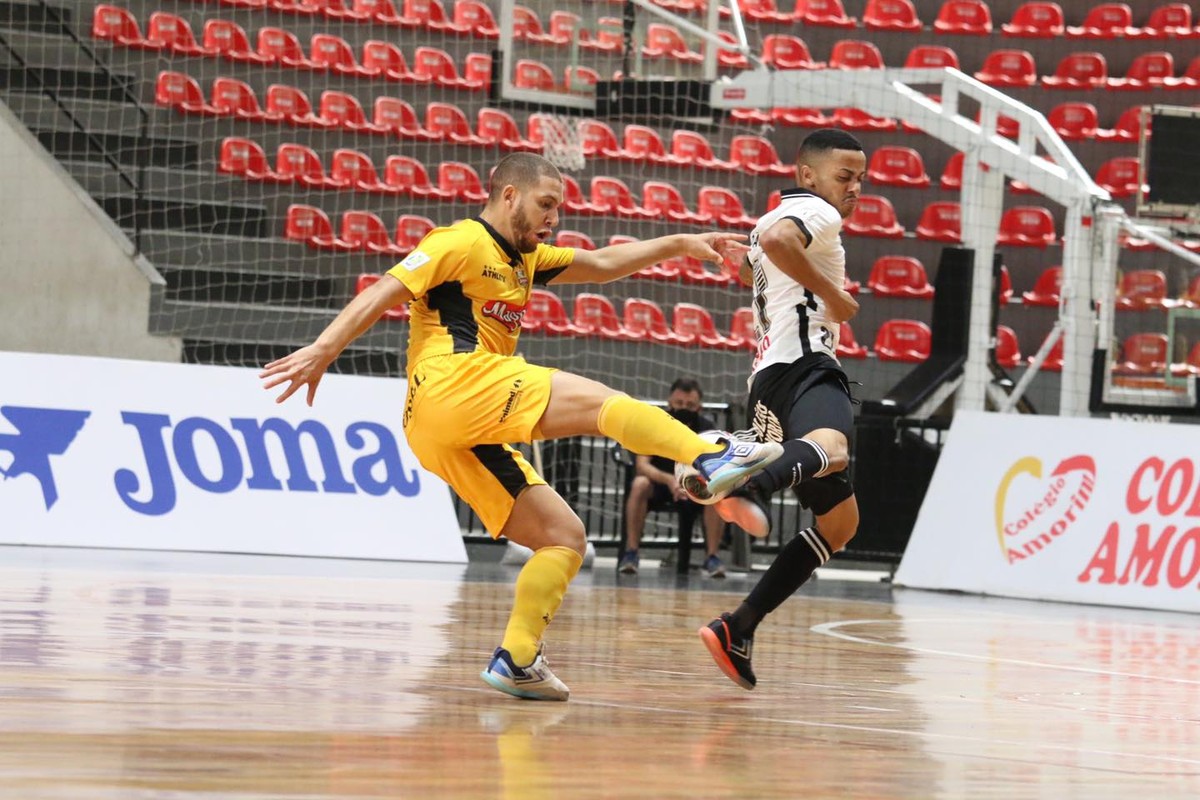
[[791, 568], [801, 459]]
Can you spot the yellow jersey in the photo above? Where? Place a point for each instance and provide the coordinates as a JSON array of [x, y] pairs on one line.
[[470, 289]]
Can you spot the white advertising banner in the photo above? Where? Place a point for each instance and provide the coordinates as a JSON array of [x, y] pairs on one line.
[[1057, 508], [131, 454]]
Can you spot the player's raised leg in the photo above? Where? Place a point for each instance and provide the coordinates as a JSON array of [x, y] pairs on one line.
[[580, 406]]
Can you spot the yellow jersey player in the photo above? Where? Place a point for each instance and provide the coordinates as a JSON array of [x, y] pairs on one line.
[[469, 397]]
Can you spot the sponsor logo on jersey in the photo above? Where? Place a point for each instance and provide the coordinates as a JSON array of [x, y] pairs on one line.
[[507, 315], [495, 274], [415, 260]]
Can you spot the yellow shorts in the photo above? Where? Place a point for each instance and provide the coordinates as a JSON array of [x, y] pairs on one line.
[[461, 412]]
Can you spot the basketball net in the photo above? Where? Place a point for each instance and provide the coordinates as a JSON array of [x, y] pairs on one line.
[[562, 145]]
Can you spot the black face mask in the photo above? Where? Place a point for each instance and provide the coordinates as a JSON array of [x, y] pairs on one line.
[[686, 416]]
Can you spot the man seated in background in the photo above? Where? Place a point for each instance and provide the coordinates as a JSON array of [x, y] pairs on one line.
[[654, 488]]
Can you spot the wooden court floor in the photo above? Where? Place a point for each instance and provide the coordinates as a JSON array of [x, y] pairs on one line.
[[138, 675]]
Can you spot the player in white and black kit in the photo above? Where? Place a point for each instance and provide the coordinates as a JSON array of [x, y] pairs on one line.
[[799, 395]]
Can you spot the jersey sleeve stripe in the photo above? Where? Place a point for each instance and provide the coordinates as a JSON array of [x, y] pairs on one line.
[[803, 229]]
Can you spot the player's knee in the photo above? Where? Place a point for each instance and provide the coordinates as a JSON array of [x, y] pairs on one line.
[[567, 533], [641, 489], [836, 447]]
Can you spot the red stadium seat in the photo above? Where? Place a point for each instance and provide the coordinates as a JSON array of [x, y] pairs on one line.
[[608, 36], [941, 221], [477, 18], [344, 111], [576, 239], [1036, 20], [433, 65], [903, 340], [1127, 129], [1054, 359], [310, 225], [333, 53], [282, 47], [964, 16], [1191, 297], [665, 41], [931, 56], [545, 313], [384, 60], [1148, 71], [1120, 176], [1030, 226], [116, 24], [891, 15], [424, 14], [595, 314], [462, 181], [893, 165], [1173, 20], [873, 216], [394, 115], [750, 116], [411, 229], [644, 320], [381, 11], [1191, 366], [855, 54], [773, 200], [1079, 71], [395, 313], [229, 40], [243, 157], [802, 117], [1008, 349], [1074, 121], [823, 13], [352, 169], [179, 91], [899, 276], [854, 119], [847, 346], [293, 107], [409, 175], [760, 11], [299, 163], [1008, 68], [364, 230], [1191, 75], [952, 174], [741, 329], [757, 155], [643, 144], [448, 123], [1046, 290], [664, 201], [1143, 354], [1005, 287], [691, 270], [528, 26], [784, 51], [613, 197], [1143, 289], [578, 78], [573, 199], [1105, 21], [531, 74], [729, 57], [170, 32], [231, 97], [598, 139], [496, 127], [694, 325], [718, 204]]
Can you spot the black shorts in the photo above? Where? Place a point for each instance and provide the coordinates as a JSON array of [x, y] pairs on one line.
[[789, 401], [662, 499]]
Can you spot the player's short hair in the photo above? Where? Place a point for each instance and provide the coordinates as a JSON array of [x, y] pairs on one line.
[[820, 142], [688, 385], [521, 170]]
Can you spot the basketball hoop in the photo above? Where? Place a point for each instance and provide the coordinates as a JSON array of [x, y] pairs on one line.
[[561, 143]]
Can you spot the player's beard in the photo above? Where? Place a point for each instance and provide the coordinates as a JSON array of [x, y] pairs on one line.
[[525, 241]]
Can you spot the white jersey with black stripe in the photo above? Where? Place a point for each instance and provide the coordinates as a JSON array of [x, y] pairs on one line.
[[789, 319]]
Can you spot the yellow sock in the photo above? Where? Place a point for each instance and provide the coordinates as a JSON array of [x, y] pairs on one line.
[[540, 589], [647, 430]]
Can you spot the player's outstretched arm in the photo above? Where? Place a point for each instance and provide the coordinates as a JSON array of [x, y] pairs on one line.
[[306, 366], [620, 260], [785, 243]]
